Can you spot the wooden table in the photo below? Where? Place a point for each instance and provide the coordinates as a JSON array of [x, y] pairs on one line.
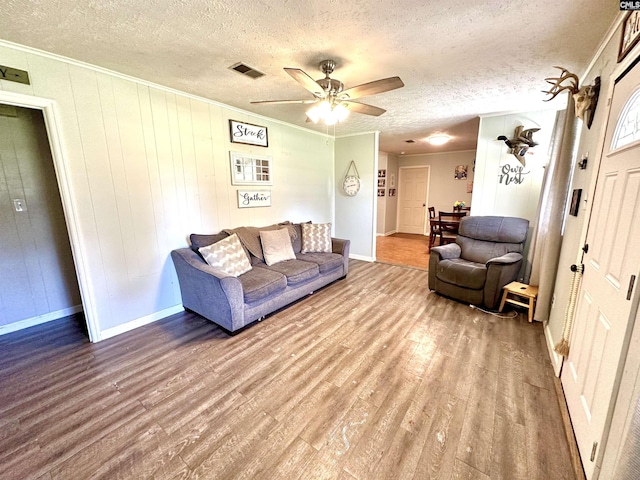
[[518, 289]]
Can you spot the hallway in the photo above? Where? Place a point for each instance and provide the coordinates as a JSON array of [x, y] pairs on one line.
[[404, 249]]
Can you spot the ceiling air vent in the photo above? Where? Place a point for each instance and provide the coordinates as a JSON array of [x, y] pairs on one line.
[[246, 70], [410, 141]]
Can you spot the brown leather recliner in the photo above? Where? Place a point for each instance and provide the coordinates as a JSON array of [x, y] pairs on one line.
[[487, 255]]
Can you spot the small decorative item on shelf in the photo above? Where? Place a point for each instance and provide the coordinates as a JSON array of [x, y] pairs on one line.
[[458, 205]]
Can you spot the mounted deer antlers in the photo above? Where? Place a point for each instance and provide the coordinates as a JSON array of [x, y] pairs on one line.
[[556, 81], [586, 97]]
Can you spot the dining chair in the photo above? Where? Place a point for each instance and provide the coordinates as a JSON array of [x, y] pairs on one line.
[[434, 227], [448, 224]]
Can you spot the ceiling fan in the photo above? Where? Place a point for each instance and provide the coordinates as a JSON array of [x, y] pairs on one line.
[[332, 102]]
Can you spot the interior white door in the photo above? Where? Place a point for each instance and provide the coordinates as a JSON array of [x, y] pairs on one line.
[[412, 199], [607, 301]]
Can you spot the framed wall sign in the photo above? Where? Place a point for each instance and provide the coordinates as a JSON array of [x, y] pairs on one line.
[[630, 33], [254, 198], [250, 169], [248, 133]]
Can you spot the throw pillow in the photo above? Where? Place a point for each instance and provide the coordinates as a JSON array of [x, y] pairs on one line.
[[227, 255], [276, 246], [316, 237]]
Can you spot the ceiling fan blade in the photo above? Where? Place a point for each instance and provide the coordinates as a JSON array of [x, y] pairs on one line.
[[276, 102], [363, 108], [372, 88], [306, 81]]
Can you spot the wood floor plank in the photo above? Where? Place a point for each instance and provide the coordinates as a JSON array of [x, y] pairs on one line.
[[476, 437], [509, 451], [291, 463], [547, 453], [510, 390], [371, 377], [438, 457], [329, 462], [462, 471], [379, 433]]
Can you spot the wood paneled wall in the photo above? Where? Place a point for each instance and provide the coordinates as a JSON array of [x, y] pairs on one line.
[[147, 166]]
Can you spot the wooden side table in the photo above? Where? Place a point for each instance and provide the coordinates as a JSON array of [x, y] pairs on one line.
[[515, 292]]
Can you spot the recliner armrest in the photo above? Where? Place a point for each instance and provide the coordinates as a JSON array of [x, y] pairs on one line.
[[505, 259], [449, 251]]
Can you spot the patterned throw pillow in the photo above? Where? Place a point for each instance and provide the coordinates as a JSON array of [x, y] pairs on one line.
[[227, 255], [316, 237]]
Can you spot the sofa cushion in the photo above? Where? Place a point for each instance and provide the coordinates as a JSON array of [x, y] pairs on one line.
[[316, 237], [296, 236], [199, 241], [261, 283], [481, 251], [276, 246], [250, 237], [296, 271], [495, 229], [227, 255], [327, 262], [462, 273]]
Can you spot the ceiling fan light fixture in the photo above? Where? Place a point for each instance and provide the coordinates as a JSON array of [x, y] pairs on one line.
[[329, 114], [438, 139]]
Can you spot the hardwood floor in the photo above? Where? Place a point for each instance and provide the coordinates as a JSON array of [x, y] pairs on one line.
[[373, 377], [403, 249]]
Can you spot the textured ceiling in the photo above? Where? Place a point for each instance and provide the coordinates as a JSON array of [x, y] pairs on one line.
[[458, 58]]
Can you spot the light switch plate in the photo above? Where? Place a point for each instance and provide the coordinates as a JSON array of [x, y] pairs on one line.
[[20, 205]]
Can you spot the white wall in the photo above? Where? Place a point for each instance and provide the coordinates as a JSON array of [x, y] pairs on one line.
[[391, 203], [355, 217], [491, 194], [444, 189], [382, 201], [147, 166]]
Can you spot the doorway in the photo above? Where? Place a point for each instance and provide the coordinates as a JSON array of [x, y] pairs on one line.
[[39, 281], [413, 195], [608, 297]]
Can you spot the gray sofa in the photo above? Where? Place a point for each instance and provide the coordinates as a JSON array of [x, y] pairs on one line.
[[487, 255], [235, 302]]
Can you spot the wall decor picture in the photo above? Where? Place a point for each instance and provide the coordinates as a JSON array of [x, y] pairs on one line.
[[381, 182], [248, 133], [630, 34], [382, 173], [469, 187], [381, 192], [460, 172], [392, 192], [254, 198], [575, 202], [250, 169]]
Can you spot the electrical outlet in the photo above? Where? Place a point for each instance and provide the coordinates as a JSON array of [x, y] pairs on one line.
[[20, 205]]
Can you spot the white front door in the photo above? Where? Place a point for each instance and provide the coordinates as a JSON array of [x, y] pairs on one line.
[[412, 199], [607, 300]]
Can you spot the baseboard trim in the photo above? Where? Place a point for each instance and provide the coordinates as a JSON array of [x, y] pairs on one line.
[[574, 453], [39, 320], [362, 257], [390, 233], [556, 359], [139, 322]]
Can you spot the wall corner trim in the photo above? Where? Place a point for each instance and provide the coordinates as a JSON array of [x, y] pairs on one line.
[[140, 322], [362, 257], [556, 359]]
